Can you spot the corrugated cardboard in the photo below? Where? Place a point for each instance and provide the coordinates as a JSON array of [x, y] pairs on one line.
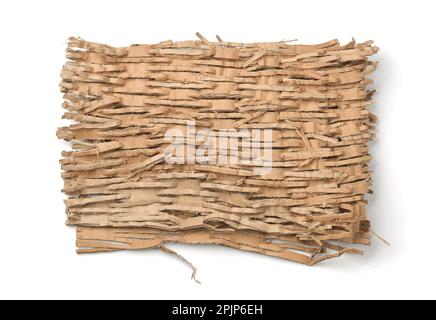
[[122, 194]]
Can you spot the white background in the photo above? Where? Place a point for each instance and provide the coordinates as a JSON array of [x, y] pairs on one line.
[[37, 251]]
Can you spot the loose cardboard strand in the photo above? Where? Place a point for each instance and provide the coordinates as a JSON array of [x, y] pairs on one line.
[[123, 195]]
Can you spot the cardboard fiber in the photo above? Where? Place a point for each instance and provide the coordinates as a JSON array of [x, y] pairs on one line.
[[123, 194]]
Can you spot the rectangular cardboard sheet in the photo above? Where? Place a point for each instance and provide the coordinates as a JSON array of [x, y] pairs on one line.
[[123, 194]]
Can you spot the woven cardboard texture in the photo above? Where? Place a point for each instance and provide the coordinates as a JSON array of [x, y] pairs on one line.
[[124, 194]]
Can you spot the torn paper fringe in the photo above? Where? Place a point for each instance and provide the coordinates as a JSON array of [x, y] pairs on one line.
[[122, 194]]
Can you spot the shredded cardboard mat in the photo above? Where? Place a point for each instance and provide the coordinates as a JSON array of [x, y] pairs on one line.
[[123, 193]]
